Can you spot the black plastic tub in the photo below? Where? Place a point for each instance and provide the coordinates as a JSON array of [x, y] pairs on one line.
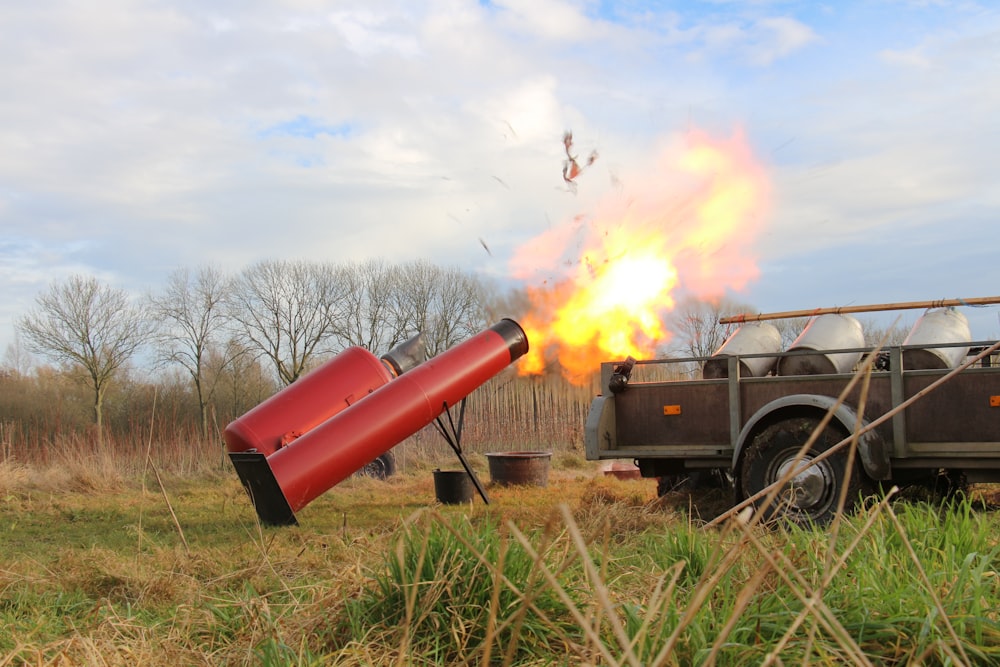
[[453, 487]]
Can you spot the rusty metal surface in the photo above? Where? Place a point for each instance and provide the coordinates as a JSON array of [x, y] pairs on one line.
[[703, 417], [957, 412], [519, 468], [755, 395]]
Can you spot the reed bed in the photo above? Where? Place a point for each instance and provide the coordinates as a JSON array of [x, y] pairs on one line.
[[508, 413]]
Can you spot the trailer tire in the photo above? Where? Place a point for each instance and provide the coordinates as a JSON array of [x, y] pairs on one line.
[[381, 468], [813, 495]]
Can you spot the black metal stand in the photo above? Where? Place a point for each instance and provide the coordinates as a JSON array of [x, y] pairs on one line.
[[454, 439]]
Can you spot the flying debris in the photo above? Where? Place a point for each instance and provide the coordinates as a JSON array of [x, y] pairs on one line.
[[572, 168], [511, 128]]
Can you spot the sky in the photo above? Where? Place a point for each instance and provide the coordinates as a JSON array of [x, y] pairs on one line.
[[140, 137]]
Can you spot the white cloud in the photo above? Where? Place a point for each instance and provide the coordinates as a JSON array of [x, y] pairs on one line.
[[139, 131], [778, 37], [753, 41], [550, 19], [367, 32], [529, 112], [907, 58]]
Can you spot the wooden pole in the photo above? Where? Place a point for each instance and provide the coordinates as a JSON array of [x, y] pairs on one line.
[[905, 305]]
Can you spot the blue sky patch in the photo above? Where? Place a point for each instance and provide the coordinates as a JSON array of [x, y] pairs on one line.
[[307, 127]]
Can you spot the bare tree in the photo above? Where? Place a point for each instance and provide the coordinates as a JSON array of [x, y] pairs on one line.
[[461, 308], [696, 324], [89, 326], [790, 328], [414, 302], [875, 331], [446, 305], [191, 316], [16, 358], [370, 316], [288, 312], [239, 376]]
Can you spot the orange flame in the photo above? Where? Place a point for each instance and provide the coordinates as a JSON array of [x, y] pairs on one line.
[[619, 271]]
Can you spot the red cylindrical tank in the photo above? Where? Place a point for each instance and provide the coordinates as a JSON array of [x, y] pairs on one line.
[[307, 402], [350, 439]]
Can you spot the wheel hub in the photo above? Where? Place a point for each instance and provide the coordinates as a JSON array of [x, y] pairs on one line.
[[809, 487]]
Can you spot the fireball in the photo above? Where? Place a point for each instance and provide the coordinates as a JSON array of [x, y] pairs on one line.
[[688, 227]]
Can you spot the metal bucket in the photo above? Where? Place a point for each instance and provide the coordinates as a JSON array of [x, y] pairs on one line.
[[751, 338], [453, 487], [824, 332], [527, 468], [941, 325]]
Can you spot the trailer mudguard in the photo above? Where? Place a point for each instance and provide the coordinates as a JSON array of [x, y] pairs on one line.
[[599, 430], [871, 447]]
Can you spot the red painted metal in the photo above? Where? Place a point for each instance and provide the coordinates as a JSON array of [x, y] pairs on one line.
[[307, 402], [345, 442]]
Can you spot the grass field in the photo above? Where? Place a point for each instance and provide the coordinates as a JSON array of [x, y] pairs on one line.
[[123, 570]]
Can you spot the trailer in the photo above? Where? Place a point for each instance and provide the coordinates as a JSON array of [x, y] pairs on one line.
[[915, 412]]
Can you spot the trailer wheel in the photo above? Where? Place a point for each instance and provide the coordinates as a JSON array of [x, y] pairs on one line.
[[381, 468], [811, 497]]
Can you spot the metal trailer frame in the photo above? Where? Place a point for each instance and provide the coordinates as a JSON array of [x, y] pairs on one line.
[[679, 426]]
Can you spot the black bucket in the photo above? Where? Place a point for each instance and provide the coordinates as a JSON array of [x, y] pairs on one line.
[[527, 468], [453, 487]]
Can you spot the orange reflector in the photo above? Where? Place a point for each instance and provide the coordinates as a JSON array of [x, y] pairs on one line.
[[995, 401], [671, 409]]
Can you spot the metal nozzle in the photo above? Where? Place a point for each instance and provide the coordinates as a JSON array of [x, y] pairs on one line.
[[407, 355]]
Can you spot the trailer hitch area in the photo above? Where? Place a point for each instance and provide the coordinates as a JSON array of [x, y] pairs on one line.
[[620, 376]]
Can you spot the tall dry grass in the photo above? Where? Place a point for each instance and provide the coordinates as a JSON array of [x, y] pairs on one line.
[[590, 571], [508, 413], [597, 584]]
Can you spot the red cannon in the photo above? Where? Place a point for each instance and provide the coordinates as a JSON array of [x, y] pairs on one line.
[[283, 479], [319, 395]]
